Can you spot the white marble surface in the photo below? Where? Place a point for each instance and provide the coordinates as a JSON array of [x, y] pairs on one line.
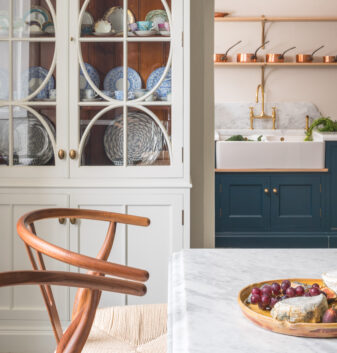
[[204, 316], [289, 115]]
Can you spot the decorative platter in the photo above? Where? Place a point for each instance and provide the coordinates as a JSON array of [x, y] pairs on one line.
[[115, 16], [264, 319], [39, 14], [93, 74], [33, 78], [166, 86], [114, 79], [145, 140], [156, 17]]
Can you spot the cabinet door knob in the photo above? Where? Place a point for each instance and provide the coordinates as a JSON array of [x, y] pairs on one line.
[[72, 154], [275, 191], [73, 220], [62, 220], [61, 154], [266, 191]]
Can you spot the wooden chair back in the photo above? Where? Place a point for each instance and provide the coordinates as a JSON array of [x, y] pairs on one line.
[[126, 280]]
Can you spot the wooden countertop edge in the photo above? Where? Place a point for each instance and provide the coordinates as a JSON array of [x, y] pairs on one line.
[[323, 170]]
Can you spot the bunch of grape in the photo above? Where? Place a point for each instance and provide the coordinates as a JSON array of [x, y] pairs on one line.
[[267, 296]]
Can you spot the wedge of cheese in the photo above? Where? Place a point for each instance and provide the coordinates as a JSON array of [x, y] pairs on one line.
[[330, 280], [300, 309]]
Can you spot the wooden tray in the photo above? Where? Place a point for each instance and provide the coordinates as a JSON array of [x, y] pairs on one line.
[[263, 318]]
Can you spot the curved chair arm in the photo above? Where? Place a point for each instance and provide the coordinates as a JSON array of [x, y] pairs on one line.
[[70, 279]]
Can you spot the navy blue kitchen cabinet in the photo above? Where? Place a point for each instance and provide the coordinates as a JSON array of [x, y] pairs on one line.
[[331, 163]]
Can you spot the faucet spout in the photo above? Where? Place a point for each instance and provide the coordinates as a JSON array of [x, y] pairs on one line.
[[260, 86]]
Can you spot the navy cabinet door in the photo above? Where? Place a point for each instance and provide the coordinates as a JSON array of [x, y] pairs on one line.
[[296, 203], [242, 204], [331, 163]]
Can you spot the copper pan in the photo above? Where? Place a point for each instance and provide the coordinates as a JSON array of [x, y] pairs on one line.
[[328, 59], [224, 57], [249, 57], [307, 58], [277, 58]]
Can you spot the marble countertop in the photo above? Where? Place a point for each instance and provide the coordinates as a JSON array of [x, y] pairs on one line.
[[204, 316]]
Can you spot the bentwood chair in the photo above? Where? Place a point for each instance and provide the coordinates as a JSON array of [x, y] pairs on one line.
[[127, 329]]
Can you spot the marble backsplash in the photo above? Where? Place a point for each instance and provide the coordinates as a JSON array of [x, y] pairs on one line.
[[289, 115]]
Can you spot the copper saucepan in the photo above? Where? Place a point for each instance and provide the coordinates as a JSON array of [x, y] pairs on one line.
[[249, 57], [277, 58], [224, 57], [307, 58], [328, 59]]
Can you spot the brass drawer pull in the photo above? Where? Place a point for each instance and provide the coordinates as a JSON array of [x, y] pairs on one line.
[[62, 220], [275, 191], [266, 191], [61, 154], [73, 220], [72, 154]]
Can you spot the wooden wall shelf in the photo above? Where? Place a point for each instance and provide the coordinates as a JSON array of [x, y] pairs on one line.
[[263, 64], [275, 19]]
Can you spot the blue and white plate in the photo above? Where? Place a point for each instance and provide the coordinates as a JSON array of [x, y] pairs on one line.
[[114, 80], [93, 74], [166, 86], [32, 79]]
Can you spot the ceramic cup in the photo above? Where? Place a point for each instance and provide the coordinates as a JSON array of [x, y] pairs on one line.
[[52, 94], [164, 26], [152, 97], [140, 92], [133, 27], [108, 93], [88, 94], [119, 95], [144, 25]]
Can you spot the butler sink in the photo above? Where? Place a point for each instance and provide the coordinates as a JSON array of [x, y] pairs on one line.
[[273, 152]]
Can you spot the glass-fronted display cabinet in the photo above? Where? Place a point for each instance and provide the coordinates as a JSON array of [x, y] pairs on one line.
[[91, 88]]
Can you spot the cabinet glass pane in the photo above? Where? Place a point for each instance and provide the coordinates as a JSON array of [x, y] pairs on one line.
[[4, 18], [103, 64], [102, 141], [4, 136], [148, 136], [32, 62], [33, 18], [4, 71], [32, 140]]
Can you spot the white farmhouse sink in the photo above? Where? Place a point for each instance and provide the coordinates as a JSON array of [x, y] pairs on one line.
[[274, 152]]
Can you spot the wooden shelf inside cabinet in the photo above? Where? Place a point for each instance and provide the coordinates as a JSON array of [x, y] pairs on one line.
[[275, 19], [263, 64]]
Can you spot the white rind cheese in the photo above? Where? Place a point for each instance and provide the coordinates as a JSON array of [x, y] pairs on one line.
[[330, 280], [300, 309]]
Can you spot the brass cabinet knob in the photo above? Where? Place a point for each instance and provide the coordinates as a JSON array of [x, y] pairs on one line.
[[266, 191], [275, 191], [62, 220], [72, 154], [61, 154], [72, 39], [73, 220]]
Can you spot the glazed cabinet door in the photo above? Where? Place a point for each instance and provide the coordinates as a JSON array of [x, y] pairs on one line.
[[22, 309], [126, 88], [296, 203], [143, 247], [33, 84], [242, 203]]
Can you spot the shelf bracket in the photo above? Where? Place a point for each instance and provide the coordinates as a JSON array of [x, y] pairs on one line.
[[263, 25]]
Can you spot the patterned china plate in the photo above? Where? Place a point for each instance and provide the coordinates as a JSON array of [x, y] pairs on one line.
[[32, 79], [157, 16], [115, 16], [166, 85], [114, 80], [93, 74], [32, 145], [145, 139], [39, 14]]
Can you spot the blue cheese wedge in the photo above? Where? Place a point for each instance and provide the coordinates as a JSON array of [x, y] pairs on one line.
[[330, 280], [300, 309]]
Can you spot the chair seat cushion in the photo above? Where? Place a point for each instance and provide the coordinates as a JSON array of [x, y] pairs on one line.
[[129, 329]]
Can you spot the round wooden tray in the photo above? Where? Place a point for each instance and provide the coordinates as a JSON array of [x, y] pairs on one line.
[[263, 318]]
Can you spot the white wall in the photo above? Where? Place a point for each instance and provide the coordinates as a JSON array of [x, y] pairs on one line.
[[317, 85]]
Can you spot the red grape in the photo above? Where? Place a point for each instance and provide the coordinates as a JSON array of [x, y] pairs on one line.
[[315, 285], [265, 299], [291, 292], [276, 288], [273, 301], [285, 285], [299, 291], [314, 291], [262, 306], [256, 290], [266, 290], [255, 298]]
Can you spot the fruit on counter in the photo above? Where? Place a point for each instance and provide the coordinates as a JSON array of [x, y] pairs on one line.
[[330, 280], [299, 291], [330, 294], [301, 309], [273, 301], [290, 292], [330, 316], [255, 298], [256, 290], [276, 288], [267, 290], [314, 291], [315, 285], [285, 285]]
